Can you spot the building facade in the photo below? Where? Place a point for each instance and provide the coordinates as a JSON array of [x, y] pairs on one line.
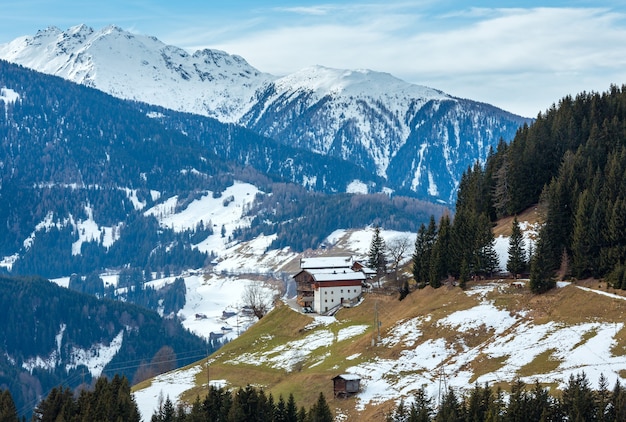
[[327, 283]]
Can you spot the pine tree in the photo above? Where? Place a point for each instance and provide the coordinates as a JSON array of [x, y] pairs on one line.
[[292, 409], [320, 412], [464, 275], [376, 255], [450, 409], [516, 262], [8, 411], [440, 260], [422, 407], [541, 273], [578, 399], [423, 249]]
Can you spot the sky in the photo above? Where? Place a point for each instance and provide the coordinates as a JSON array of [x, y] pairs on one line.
[[520, 56]]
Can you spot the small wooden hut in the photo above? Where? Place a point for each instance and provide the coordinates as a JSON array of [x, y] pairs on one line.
[[346, 385]]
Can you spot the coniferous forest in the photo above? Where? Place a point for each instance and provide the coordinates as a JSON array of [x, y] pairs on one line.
[[570, 164], [44, 320], [112, 401]]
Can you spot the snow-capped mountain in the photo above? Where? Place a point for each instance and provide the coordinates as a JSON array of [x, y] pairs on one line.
[[139, 67], [420, 139]]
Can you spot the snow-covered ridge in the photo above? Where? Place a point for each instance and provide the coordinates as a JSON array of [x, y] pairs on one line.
[[371, 119], [140, 67], [95, 358], [361, 82]]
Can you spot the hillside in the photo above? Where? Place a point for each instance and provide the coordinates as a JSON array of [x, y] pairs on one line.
[[491, 333], [409, 139], [52, 336]]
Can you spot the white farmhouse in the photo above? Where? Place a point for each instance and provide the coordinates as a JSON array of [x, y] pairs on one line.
[[326, 283]]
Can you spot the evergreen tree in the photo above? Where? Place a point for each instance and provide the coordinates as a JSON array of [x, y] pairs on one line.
[[516, 262], [464, 275], [578, 399], [603, 400], [376, 255], [450, 409], [292, 409], [541, 272], [422, 407], [8, 411], [320, 412], [617, 409], [440, 260], [517, 408], [424, 242]]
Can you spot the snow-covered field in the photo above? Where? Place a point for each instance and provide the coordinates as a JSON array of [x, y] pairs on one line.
[[514, 341], [210, 293]]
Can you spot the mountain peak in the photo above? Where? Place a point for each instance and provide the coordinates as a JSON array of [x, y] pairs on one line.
[[355, 82]]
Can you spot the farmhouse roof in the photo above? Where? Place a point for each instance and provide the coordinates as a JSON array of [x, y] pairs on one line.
[[326, 262], [339, 275]]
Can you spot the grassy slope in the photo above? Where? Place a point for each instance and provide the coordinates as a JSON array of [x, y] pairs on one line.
[[313, 374]]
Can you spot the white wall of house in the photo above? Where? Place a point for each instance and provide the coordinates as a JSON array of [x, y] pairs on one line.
[[326, 298]]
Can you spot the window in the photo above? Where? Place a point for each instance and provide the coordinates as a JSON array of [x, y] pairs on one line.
[[342, 291]]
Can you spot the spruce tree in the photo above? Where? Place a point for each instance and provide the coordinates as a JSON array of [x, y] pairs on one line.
[[320, 412], [516, 262], [376, 255], [8, 411], [423, 250], [541, 272], [440, 260]]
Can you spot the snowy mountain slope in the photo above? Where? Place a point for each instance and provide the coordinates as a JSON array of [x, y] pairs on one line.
[[420, 139], [138, 67], [443, 344]]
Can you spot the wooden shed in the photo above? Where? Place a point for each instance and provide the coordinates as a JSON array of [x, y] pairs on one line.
[[346, 385]]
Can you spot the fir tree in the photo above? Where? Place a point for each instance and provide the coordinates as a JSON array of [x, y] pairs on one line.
[[541, 272], [424, 242], [516, 262], [320, 412], [8, 411], [376, 255]]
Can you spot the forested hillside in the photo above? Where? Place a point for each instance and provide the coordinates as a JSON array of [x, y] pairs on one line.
[[53, 336], [572, 162], [79, 168]]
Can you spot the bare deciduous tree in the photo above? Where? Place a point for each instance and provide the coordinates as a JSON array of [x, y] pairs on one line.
[[258, 299], [397, 249]]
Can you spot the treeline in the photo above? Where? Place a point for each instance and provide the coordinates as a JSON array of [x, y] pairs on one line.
[[460, 250], [572, 162], [279, 161], [244, 405], [42, 319], [303, 219], [132, 287], [578, 401], [106, 401], [113, 401]]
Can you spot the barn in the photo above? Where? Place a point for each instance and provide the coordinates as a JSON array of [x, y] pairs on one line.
[[346, 385]]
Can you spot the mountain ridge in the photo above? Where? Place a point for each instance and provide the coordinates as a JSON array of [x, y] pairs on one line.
[[361, 116]]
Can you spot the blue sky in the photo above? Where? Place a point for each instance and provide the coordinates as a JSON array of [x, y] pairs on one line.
[[520, 56]]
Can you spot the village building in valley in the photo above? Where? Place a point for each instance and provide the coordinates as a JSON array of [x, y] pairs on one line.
[[327, 283]]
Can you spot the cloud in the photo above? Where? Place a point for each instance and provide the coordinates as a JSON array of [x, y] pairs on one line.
[[312, 10], [530, 55]]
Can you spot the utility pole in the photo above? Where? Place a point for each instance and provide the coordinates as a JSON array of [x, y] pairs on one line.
[[208, 378], [377, 322]]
